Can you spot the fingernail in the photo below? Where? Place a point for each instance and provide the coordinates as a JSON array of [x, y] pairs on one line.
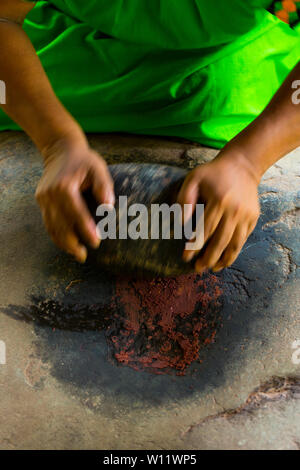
[[96, 243], [109, 206], [82, 255], [110, 199], [216, 269]]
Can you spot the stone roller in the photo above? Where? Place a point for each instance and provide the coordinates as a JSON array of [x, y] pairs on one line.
[[144, 184]]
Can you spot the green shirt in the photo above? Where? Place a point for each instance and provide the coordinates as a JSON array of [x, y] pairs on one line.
[[188, 68]]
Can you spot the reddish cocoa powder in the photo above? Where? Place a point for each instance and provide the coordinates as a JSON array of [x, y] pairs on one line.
[[161, 325]]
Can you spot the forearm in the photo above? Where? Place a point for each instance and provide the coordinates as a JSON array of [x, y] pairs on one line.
[[30, 99], [273, 134]]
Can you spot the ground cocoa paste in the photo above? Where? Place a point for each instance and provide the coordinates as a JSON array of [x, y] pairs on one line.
[[161, 325], [158, 325]]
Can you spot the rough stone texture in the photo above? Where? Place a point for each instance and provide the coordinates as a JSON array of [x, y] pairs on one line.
[[59, 388]]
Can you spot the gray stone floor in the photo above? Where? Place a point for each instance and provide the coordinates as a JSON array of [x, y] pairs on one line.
[[59, 390]]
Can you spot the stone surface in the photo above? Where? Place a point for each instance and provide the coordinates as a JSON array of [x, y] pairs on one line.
[[61, 389], [144, 184]]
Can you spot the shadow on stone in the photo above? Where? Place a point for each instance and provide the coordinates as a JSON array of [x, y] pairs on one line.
[[74, 324]]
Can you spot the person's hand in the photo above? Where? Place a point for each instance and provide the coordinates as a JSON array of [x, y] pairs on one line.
[[69, 170], [228, 187]]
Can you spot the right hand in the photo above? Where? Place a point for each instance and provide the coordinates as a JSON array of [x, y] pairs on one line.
[[70, 170]]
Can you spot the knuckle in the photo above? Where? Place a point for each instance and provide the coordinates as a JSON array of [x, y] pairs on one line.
[[236, 208], [234, 248], [61, 187], [219, 196]]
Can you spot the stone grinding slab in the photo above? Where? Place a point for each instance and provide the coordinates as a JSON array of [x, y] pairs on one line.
[[66, 366], [143, 184]]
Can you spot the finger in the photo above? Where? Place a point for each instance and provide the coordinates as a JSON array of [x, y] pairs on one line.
[[234, 247], [188, 196], [102, 184], [251, 227], [76, 212], [212, 217], [63, 235], [217, 244]]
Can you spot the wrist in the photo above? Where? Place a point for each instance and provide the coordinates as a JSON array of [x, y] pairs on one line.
[[241, 158], [67, 141]]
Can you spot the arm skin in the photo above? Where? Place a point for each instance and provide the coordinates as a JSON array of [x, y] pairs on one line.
[[70, 165], [229, 184]]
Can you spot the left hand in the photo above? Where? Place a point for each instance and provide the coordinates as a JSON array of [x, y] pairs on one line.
[[228, 187]]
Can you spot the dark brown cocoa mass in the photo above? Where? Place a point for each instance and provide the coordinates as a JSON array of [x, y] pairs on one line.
[[144, 184]]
